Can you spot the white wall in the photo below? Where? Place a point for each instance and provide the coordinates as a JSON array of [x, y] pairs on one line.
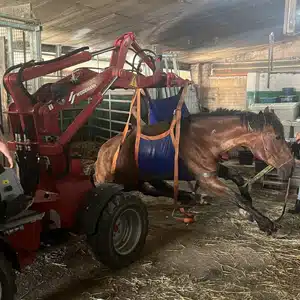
[[278, 81]]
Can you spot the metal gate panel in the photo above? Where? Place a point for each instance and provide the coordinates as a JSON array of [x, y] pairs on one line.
[[20, 40], [111, 116], [22, 43]]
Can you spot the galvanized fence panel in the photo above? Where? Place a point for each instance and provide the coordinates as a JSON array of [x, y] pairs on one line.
[[111, 116], [108, 119], [22, 43], [21, 38]]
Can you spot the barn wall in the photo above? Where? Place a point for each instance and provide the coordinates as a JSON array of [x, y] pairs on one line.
[[287, 50], [229, 91]]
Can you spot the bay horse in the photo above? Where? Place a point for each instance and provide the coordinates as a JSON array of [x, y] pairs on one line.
[[204, 136]]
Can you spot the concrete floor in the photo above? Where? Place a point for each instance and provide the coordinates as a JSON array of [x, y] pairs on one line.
[[222, 256]]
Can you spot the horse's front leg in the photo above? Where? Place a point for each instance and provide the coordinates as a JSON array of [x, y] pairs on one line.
[[212, 185], [227, 174], [234, 176]]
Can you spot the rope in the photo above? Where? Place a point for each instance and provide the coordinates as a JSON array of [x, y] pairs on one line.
[[176, 122], [124, 133], [175, 126], [258, 175]]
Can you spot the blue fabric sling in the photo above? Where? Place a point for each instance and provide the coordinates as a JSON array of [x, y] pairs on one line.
[[163, 109], [156, 157]]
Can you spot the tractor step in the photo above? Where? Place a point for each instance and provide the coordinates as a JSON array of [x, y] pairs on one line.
[[27, 216]]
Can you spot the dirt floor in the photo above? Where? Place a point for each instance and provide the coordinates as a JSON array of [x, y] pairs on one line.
[[222, 256]]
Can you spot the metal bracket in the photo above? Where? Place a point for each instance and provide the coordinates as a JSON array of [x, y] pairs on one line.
[[289, 27], [271, 56]]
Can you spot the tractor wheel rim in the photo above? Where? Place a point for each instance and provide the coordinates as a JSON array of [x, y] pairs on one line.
[[127, 231]]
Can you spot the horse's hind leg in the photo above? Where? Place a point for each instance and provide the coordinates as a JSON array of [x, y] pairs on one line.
[[147, 190], [200, 198], [164, 189], [157, 189], [214, 186]]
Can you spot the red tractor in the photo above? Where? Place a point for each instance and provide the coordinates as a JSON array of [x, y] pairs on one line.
[[50, 179]]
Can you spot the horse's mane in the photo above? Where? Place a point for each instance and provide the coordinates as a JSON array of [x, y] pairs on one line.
[[253, 121]]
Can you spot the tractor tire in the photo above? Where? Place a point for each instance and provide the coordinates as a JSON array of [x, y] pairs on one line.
[[121, 231], [8, 287]]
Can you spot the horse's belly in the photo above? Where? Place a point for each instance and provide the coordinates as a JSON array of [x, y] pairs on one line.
[[156, 160]]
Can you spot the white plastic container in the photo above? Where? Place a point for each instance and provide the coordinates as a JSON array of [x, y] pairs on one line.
[[284, 111]]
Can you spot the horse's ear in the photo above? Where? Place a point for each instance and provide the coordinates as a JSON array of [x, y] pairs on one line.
[[267, 110], [272, 111], [260, 113]]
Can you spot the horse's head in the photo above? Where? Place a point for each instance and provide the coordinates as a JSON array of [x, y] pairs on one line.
[[270, 145]]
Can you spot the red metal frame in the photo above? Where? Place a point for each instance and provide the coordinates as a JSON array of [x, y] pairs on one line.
[[33, 121]]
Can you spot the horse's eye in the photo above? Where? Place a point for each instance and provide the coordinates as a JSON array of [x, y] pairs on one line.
[[278, 137]]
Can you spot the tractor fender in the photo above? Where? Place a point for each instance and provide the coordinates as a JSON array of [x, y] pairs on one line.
[[95, 202]]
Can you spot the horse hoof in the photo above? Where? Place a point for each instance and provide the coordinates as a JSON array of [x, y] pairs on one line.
[[204, 203], [204, 200], [268, 226], [251, 218]]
